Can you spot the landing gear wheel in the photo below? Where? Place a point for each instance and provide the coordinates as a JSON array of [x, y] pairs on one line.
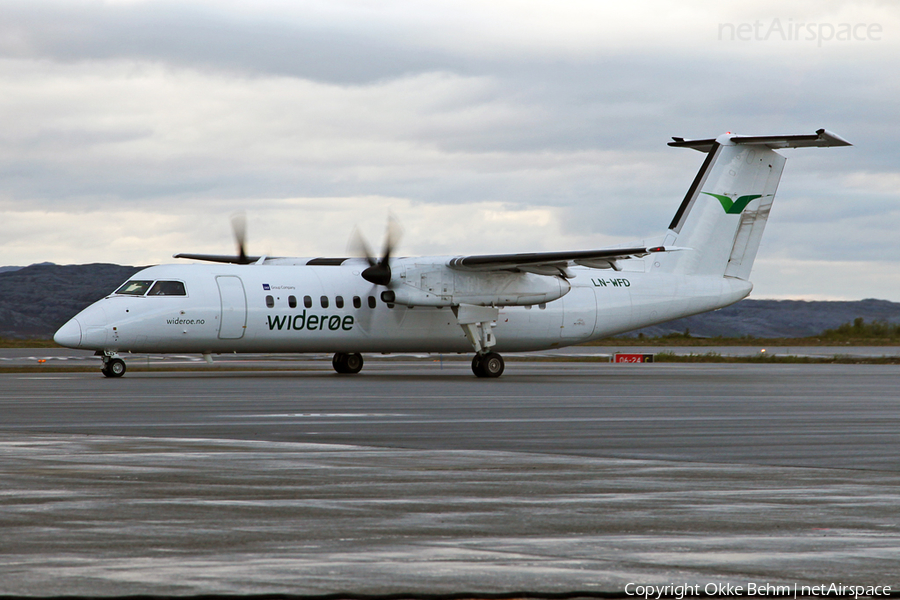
[[488, 365], [115, 367], [476, 366], [353, 363], [347, 364]]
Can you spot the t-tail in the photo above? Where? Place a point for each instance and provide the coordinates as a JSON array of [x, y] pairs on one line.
[[720, 221]]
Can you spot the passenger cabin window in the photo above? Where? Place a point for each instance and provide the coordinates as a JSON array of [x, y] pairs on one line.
[[270, 302], [324, 301], [292, 301], [357, 302], [135, 288], [371, 301], [167, 288], [339, 302], [307, 301]]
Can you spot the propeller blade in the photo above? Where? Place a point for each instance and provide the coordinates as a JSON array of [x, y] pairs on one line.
[[239, 226], [391, 237], [358, 247]]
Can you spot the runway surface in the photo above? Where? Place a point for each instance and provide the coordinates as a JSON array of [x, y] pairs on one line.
[[412, 477], [59, 357]]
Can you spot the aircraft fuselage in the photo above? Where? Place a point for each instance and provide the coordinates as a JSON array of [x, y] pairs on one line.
[[235, 308]]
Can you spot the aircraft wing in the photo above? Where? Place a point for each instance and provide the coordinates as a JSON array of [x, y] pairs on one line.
[[540, 263], [220, 258], [552, 263]]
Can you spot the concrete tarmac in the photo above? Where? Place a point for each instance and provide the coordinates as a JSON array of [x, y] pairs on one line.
[[412, 478], [61, 357]]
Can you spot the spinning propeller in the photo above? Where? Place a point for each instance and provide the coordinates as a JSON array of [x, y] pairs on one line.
[[379, 271], [239, 226]]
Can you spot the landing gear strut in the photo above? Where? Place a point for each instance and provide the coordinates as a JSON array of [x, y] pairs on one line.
[[347, 364], [113, 366], [478, 323], [488, 365]]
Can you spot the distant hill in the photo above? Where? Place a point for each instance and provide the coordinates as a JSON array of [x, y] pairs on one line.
[[36, 300], [9, 269], [778, 318]]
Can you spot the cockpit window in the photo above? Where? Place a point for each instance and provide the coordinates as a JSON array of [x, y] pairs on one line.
[[134, 288], [167, 288]]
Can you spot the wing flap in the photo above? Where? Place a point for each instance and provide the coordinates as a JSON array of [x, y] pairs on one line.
[[552, 263]]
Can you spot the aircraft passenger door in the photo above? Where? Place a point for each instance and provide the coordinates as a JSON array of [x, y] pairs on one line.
[[579, 313], [233, 320]]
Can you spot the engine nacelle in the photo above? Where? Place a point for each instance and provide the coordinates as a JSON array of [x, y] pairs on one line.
[[432, 285]]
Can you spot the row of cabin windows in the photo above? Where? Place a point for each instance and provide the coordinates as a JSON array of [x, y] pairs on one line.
[[323, 301], [339, 302]]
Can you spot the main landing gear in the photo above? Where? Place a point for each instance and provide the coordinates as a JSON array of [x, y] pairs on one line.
[[347, 364], [478, 323], [488, 365], [113, 366]]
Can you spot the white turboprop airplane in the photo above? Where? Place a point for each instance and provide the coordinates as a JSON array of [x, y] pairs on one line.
[[489, 304]]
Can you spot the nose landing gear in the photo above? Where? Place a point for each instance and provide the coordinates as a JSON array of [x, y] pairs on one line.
[[113, 366]]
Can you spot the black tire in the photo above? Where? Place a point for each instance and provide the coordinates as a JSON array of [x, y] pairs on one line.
[[353, 363], [114, 368], [347, 364], [477, 366], [492, 365]]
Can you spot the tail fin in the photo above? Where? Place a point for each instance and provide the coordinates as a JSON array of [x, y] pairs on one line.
[[724, 212]]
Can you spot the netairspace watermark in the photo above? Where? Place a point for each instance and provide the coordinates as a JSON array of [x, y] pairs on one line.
[[720, 590], [788, 31]]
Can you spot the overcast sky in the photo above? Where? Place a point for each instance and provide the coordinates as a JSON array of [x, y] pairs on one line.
[[131, 130]]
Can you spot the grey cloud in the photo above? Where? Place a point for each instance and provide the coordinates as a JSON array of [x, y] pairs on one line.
[[185, 35], [623, 97]]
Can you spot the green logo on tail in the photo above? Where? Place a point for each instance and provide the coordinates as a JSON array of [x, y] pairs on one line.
[[734, 207]]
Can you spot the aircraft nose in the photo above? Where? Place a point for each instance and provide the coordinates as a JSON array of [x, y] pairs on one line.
[[69, 335]]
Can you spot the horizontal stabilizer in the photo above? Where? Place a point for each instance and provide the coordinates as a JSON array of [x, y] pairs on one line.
[[820, 139]]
